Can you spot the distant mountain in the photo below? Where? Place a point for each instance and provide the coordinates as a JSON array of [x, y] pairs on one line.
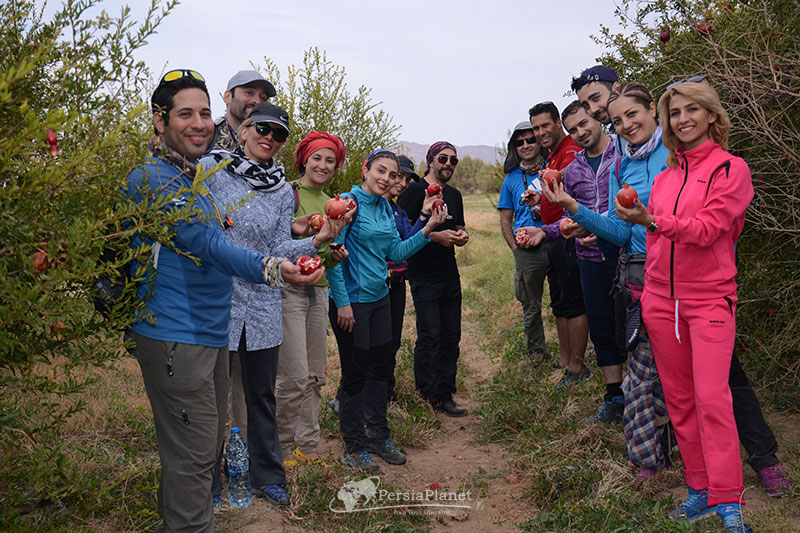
[[416, 151]]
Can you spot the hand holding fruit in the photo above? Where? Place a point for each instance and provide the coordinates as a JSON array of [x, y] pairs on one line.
[[529, 236], [438, 216], [301, 226], [427, 203], [293, 274], [331, 228], [635, 215], [339, 253], [554, 191]]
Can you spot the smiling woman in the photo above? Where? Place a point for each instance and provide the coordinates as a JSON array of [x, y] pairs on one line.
[[262, 223], [361, 316]]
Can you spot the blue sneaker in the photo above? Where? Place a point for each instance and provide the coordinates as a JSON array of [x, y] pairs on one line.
[[610, 411], [693, 507], [361, 461], [732, 518], [276, 494]]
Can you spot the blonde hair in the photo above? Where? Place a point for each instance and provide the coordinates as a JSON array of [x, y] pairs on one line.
[[706, 96], [247, 122]]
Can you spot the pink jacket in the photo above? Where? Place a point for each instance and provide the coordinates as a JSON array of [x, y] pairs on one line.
[[699, 207]]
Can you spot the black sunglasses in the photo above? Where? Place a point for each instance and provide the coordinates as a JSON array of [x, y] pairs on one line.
[[442, 159], [526, 140], [265, 128], [692, 79], [177, 74]]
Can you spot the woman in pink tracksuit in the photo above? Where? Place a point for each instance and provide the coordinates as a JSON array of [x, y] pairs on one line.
[[694, 218]]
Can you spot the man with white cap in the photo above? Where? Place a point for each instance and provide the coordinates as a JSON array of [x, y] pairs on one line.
[[246, 89]]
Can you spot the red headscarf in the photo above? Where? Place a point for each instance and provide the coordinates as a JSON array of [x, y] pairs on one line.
[[317, 140]]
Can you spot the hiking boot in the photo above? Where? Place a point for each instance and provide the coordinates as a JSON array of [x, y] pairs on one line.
[[450, 408], [732, 518], [570, 377], [775, 479], [334, 405], [361, 461], [276, 494], [610, 411], [386, 451], [693, 507]]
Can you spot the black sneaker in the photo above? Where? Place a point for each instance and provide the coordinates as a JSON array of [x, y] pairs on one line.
[[361, 461], [610, 412], [449, 408], [570, 377], [386, 451]]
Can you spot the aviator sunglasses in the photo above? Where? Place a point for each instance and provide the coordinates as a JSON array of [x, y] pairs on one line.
[[442, 159], [265, 128]]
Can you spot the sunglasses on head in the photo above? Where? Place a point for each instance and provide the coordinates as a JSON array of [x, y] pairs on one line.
[[442, 159], [526, 140], [177, 74], [265, 128], [691, 79]]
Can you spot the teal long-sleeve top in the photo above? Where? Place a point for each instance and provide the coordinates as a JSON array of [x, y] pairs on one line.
[[371, 238]]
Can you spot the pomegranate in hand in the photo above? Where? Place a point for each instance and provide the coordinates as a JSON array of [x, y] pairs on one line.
[[438, 203], [308, 265], [521, 236], [627, 196], [316, 221], [434, 189], [563, 225], [336, 207]]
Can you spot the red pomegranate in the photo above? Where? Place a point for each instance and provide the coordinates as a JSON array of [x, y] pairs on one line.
[[434, 189], [308, 265], [627, 196], [438, 203], [552, 177], [336, 207], [562, 227]]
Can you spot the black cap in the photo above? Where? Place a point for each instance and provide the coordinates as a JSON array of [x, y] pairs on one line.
[[407, 166], [266, 112], [599, 73]]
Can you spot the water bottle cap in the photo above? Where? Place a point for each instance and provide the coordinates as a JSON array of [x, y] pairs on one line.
[[234, 430]]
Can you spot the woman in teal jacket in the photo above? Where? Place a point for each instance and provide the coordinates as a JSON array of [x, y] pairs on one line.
[[361, 295]]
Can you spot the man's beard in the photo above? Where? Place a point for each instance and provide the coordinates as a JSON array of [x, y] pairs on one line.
[[440, 174]]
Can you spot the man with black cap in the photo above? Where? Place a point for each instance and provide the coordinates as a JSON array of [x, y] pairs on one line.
[[435, 284], [246, 89], [522, 165]]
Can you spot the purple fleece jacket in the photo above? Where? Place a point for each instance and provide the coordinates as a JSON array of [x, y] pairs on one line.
[[588, 189]]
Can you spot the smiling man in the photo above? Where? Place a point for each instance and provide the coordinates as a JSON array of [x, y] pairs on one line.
[[586, 180], [436, 285], [183, 350], [522, 167], [246, 89], [566, 298]]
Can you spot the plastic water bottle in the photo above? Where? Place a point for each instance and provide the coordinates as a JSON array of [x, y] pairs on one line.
[[238, 466]]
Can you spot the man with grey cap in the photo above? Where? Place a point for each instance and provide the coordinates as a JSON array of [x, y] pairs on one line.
[[246, 89], [522, 165]]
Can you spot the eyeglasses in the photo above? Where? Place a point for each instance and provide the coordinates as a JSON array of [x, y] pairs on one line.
[[692, 79], [265, 128], [177, 74], [442, 159], [526, 140]]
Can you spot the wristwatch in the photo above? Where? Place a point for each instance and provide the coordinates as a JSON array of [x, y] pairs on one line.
[[653, 227]]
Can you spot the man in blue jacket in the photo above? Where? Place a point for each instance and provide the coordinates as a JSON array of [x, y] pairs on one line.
[[181, 342], [522, 165]]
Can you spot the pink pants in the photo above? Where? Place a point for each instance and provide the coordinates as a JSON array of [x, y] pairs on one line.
[[694, 373]]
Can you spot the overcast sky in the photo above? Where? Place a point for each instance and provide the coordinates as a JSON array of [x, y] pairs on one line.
[[465, 71]]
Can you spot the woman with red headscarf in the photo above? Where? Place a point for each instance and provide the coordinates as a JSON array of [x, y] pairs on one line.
[[301, 364]]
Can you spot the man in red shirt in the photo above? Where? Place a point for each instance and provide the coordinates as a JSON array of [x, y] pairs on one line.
[[566, 297]]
